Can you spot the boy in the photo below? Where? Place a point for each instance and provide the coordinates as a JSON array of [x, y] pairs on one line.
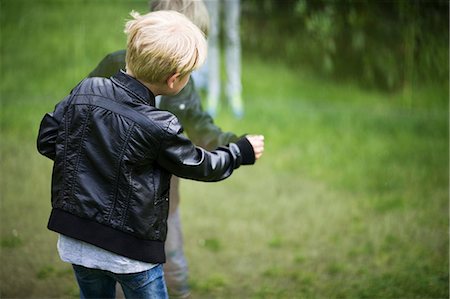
[[198, 126], [114, 154]]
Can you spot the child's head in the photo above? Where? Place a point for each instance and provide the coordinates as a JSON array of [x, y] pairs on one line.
[[194, 10], [161, 44]]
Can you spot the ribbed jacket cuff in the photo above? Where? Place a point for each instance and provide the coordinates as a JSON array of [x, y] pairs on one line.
[[247, 153]]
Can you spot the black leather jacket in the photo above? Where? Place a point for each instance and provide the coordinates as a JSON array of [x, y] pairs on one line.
[[186, 106], [114, 154]]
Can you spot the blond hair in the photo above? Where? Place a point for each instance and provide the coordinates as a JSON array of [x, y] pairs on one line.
[[194, 10], [163, 43]]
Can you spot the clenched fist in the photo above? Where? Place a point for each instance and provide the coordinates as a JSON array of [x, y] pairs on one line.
[[257, 141]]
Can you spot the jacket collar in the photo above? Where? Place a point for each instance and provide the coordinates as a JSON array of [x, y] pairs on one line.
[[134, 87]]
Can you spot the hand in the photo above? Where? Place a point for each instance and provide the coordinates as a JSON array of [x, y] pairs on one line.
[[257, 141]]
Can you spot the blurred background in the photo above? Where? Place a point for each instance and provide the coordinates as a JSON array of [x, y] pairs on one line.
[[350, 199]]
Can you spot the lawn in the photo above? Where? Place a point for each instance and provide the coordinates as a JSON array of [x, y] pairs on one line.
[[350, 199]]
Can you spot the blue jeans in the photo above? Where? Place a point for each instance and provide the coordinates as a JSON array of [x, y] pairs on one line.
[[96, 283]]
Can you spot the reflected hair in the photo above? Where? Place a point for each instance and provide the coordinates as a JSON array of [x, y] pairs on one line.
[[194, 10]]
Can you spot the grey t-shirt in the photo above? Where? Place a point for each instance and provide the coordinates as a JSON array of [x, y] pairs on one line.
[[87, 255]]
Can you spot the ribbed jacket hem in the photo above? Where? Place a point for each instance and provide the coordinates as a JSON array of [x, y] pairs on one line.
[[106, 237]]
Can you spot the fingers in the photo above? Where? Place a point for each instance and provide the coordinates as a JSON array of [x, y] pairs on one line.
[[257, 141]]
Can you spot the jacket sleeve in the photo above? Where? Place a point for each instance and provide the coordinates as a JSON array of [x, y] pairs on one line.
[[179, 156], [198, 124], [110, 65], [48, 130]]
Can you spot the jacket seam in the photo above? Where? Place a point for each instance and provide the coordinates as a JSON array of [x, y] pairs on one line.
[[165, 131], [127, 200], [150, 122], [66, 142], [116, 184], [80, 148], [66, 131]]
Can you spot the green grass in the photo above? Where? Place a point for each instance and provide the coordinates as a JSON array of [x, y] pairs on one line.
[[350, 199]]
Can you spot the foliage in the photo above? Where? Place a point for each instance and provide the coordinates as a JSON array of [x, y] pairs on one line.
[[387, 44]]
